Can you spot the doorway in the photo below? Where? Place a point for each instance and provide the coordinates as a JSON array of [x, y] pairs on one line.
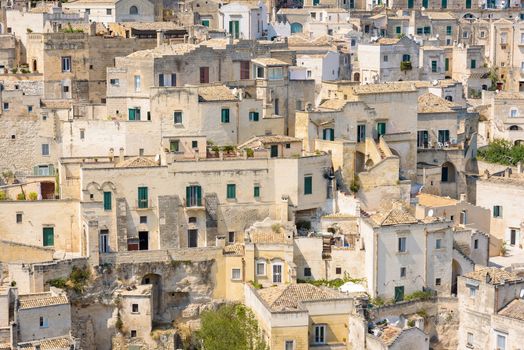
[[143, 240], [192, 238], [104, 241]]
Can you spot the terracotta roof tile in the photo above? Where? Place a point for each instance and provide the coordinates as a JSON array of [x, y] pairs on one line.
[[233, 249], [215, 93], [431, 103], [30, 301], [137, 162], [431, 200], [395, 216], [60, 343], [493, 275], [515, 309]]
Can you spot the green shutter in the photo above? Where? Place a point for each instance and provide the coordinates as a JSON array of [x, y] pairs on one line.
[[411, 4], [444, 4], [205, 22], [446, 64], [231, 191], [399, 293], [468, 4], [142, 197], [308, 184], [274, 151], [399, 30], [473, 64], [225, 115], [48, 236], [188, 196], [256, 191], [107, 200], [381, 129], [132, 115], [199, 195], [332, 135], [425, 3]]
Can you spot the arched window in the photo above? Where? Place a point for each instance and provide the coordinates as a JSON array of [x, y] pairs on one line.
[[296, 28], [133, 10], [449, 98], [513, 128], [448, 172]]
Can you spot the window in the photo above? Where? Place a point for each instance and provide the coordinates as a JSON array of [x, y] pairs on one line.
[[253, 116], [224, 117], [277, 106], [338, 270], [443, 136], [194, 144], [469, 339], [161, 80], [137, 83], [438, 281], [107, 200], [231, 191], [143, 197], [385, 58], [256, 191], [65, 88], [482, 34], [134, 113], [277, 273], [260, 72], [427, 30], [328, 134], [82, 134], [134, 308], [420, 31], [133, 333], [276, 73], [497, 211], [43, 322], [133, 10], [298, 105], [48, 236], [143, 219], [177, 117], [307, 271], [472, 292], [399, 293], [114, 82], [288, 145], [109, 12], [473, 64], [320, 334], [513, 113], [501, 342], [308, 184], [231, 237], [402, 272], [205, 22], [402, 244], [290, 345], [6, 106], [361, 133], [448, 30], [434, 66], [204, 75], [444, 4], [174, 145], [261, 268], [308, 74], [193, 196], [398, 30], [476, 244], [245, 69], [18, 218], [422, 139], [66, 64], [234, 29], [45, 149], [235, 274], [463, 217], [173, 79], [438, 244], [406, 58], [88, 11], [103, 243], [29, 109], [446, 64]]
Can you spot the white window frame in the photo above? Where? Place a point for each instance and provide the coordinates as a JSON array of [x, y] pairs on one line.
[[504, 337], [273, 275], [316, 339], [233, 270], [262, 263]]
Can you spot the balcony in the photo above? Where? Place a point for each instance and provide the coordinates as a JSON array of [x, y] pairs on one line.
[[143, 204]]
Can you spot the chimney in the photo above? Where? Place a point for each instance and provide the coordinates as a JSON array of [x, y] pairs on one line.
[[92, 29], [121, 155], [159, 37]]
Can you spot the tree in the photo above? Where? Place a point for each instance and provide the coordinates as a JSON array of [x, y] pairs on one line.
[[231, 327]]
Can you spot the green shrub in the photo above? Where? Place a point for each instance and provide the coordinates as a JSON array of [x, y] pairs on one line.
[[418, 295], [14, 70], [58, 283], [250, 153], [502, 152], [355, 185], [20, 196], [411, 323], [228, 149], [33, 196], [256, 285], [3, 196]]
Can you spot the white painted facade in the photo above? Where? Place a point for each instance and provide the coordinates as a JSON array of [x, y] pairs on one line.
[[244, 21]]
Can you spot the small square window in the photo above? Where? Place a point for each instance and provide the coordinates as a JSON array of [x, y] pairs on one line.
[[66, 88], [133, 333], [43, 322], [338, 270], [386, 58], [18, 218], [402, 272], [44, 117], [143, 219], [91, 196], [114, 82], [177, 116], [307, 271], [288, 145], [109, 12], [235, 274], [437, 281]]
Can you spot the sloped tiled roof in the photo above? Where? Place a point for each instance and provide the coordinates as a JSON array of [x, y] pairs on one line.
[[388, 41], [60, 343], [267, 237], [431, 200], [215, 93], [390, 334], [30, 301], [268, 62], [395, 216], [506, 95], [137, 162], [431, 103], [233, 249], [384, 88], [515, 309], [289, 297], [493, 275], [334, 104]]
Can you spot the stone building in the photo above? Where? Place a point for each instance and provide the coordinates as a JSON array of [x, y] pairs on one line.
[[490, 305], [503, 117], [116, 10], [469, 69], [301, 316]]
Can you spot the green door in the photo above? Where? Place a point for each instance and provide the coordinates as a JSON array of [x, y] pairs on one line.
[[411, 4], [308, 184], [381, 129], [49, 236], [444, 4], [399, 293], [234, 29], [107, 200], [425, 3], [132, 114], [142, 197], [274, 151], [468, 4], [316, 2]]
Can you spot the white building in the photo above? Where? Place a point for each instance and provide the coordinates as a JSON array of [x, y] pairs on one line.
[[109, 11], [320, 66], [244, 21]]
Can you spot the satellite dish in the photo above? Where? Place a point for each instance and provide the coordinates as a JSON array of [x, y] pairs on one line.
[[430, 213]]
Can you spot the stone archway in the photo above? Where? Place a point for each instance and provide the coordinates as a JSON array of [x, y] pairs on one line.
[[456, 270]]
